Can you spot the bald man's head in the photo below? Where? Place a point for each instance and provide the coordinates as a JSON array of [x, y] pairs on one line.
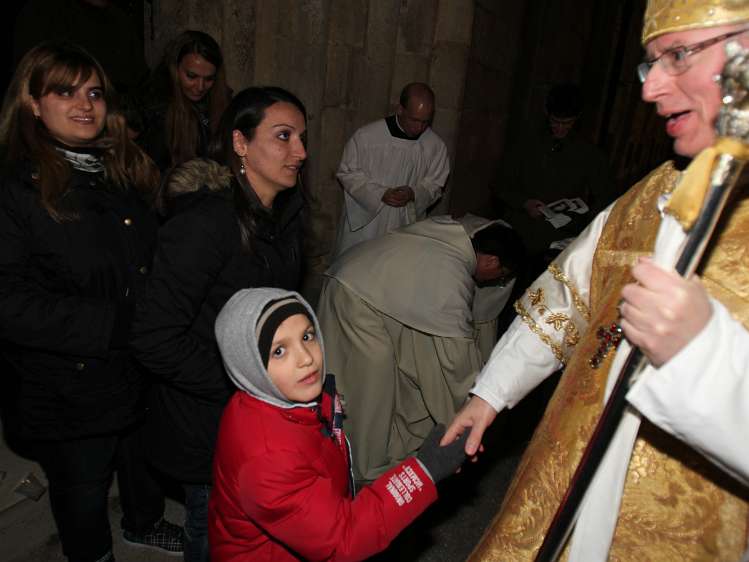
[[416, 108], [418, 92]]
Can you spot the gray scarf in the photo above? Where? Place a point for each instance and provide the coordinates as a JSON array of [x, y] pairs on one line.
[[83, 161]]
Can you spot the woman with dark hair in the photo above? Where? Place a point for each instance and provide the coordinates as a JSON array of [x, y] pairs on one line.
[[181, 106], [229, 226], [76, 238]]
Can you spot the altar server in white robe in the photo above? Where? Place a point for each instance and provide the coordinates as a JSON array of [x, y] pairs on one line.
[[392, 170]]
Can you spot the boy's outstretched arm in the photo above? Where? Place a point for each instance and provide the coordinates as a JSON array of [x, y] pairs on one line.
[[477, 414], [307, 511], [440, 461]]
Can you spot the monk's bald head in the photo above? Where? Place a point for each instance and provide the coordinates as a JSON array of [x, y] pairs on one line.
[[416, 108]]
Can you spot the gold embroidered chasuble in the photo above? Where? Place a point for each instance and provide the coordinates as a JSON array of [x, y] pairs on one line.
[[676, 506]]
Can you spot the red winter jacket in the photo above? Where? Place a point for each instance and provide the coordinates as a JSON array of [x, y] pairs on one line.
[[280, 491]]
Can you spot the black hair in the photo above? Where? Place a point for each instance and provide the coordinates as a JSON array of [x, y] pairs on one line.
[[503, 242], [273, 315], [564, 101], [244, 114]]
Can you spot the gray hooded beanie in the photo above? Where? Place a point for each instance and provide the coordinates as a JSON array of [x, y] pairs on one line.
[[237, 338]]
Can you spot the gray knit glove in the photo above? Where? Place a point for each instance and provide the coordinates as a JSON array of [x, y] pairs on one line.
[[441, 462]]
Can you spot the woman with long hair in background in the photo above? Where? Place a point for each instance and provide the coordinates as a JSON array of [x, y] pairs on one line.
[[179, 109]]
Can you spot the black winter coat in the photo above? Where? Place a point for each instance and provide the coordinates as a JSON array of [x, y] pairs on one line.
[[67, 297], [199, 264]]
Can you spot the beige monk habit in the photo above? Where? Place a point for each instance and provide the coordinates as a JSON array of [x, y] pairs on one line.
[[406, 332]]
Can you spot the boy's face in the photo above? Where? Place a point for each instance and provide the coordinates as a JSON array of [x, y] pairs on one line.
[[295, 360]]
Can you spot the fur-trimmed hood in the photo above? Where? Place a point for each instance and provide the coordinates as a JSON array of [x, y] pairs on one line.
[[208, 176], [195, 174]]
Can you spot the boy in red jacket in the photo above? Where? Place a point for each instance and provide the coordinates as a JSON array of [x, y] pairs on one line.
[[283, 487]]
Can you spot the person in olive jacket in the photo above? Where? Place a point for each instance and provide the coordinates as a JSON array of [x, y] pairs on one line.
[[76, 240], [229, 227]]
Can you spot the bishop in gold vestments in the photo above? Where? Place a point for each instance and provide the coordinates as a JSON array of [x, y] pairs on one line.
[[665, 491]]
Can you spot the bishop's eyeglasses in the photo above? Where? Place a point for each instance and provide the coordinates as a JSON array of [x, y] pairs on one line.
[[675, 61]]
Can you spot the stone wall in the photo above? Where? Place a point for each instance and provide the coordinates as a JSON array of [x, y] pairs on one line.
[[346, 59], [488, 101], [490, 63]]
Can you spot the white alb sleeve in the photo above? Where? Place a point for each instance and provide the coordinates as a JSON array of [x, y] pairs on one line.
[[701, 396]]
